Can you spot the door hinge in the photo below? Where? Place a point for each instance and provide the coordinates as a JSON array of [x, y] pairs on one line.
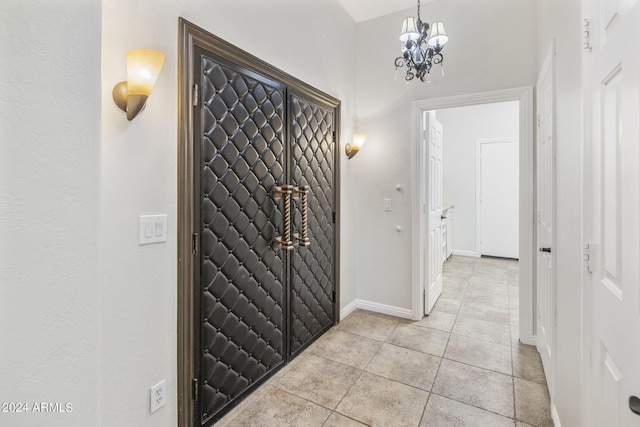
[[194, 389], [194, 244], [333, 296], [333, 217], [333, 136], [586, 256], [586, 35], [195, 99]]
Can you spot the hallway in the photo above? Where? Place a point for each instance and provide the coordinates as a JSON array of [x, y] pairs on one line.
[[460, 366]]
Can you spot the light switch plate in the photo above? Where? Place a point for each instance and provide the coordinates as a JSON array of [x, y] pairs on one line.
[[153, 229], [387, 204]]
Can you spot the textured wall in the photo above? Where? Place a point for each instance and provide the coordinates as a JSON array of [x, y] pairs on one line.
[[49, 199]]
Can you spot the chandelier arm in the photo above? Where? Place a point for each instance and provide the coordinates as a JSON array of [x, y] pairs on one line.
[[418, 56]]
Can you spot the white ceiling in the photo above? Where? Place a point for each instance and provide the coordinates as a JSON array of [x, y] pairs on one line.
[[363, 10]]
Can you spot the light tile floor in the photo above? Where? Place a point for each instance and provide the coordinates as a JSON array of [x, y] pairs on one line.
[[460, 366]]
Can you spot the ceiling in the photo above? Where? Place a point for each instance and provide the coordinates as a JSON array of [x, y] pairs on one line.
[[363, 10]]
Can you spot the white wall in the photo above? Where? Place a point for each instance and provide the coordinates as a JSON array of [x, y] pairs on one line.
[[89, 317], [139, 173], [563, 21], [492, 46], [49, 201], [462, 127]]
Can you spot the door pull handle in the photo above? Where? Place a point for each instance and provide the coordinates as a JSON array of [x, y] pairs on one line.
[[284, 241], [302, 238], [547, 250], [634, 404]]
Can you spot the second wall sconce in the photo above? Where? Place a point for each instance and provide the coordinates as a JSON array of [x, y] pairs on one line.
[[358, 141], [143, 67]]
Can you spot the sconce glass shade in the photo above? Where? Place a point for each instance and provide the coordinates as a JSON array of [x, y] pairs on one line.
[[358, 141], [143, 67], [409, 29], [438, 37]]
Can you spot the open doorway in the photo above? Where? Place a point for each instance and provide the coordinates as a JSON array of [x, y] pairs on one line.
[[523, 98], [481, 177]]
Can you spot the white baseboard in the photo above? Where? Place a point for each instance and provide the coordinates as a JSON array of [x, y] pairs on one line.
[[465, 253], [554, 415], [348, 309], [405, 313]]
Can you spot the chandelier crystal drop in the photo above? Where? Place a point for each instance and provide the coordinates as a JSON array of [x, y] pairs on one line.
[[421, 49]]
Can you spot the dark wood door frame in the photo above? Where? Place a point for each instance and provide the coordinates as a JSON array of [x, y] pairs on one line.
[[190, 37]]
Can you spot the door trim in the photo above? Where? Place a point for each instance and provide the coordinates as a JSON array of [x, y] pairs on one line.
[[524, 95], [190, 37], [479, 143]]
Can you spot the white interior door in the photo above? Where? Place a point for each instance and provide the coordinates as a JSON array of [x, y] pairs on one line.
[[545, 289], [612, 163], [432, 208], [498, 198]]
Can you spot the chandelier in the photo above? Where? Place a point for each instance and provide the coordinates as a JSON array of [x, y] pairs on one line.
[[420, 49]]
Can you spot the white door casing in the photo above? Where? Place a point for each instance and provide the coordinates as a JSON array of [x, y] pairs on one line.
[[545, 289], [497, 197], [612, 226], [432, 207], [524, 96]]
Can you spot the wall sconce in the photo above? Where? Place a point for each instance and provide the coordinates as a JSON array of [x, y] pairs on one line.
[[358, 141], [143, 67]]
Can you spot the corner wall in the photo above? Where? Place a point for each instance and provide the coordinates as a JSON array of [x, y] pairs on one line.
[[475, 61], [49, 203]]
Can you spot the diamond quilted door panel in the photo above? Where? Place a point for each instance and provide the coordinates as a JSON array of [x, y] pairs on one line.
[[312, 268], [241, 277], [257, 306]]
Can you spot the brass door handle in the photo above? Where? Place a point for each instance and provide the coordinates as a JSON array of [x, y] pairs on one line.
[[284, 241], [302, 238]]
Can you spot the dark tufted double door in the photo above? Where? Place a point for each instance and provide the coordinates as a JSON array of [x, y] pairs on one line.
[[257, 304]]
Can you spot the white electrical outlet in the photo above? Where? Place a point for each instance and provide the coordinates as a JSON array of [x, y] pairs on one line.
[[158, 398]]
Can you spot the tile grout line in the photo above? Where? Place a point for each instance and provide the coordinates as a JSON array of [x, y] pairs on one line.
[[362, 371], [513, 381], [457, 316]]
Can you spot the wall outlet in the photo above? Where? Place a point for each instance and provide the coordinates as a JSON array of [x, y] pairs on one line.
[[158, 396]]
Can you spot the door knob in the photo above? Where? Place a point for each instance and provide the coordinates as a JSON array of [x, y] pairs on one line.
[[547, 250], [634, 405]]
